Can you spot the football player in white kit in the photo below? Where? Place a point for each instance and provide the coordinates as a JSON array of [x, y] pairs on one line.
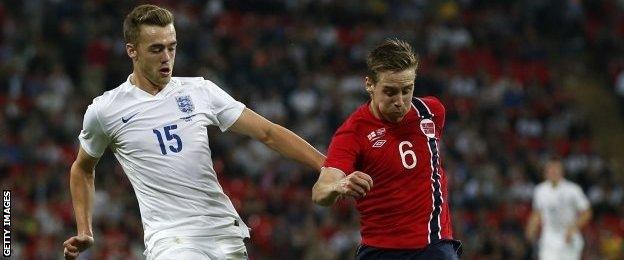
[[562, 209], [156, 126]]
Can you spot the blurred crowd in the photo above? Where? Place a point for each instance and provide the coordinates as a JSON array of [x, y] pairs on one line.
[[604, 31], [301, 63]]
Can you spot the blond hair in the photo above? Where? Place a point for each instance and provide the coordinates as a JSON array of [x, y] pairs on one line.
[[391, 55]]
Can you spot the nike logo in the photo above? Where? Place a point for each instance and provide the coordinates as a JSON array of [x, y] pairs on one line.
[[125, 120], [188, 118]]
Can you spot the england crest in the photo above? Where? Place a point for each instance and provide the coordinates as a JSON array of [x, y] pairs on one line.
[[185, 104]]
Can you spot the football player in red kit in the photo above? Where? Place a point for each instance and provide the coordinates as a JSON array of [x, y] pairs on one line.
[[386, 155]]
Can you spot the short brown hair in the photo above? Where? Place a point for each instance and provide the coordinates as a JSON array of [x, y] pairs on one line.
[[390, 55], [144, 15]]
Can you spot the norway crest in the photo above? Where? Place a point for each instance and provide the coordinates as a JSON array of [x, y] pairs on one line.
[[428, 127], [185, 104]]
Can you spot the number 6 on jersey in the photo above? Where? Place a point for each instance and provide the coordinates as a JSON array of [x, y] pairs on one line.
[[405, 153], [170, 136]]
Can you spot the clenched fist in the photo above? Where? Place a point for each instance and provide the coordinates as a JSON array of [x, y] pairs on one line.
[[76, 244], [355, 185]]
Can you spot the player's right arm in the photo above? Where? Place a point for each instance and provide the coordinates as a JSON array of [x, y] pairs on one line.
[[82, 188], [533, 225], [535, 220], [93, 142], [333, 184]]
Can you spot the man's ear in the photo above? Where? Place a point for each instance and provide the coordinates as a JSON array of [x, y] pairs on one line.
[[369, 85], [131, 51]]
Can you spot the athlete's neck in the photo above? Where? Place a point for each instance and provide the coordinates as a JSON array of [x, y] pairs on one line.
[[373, 110], [554, 183], [144, 84]]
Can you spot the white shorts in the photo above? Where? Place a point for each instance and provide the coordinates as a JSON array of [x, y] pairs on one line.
[[217, 247], [563, 251]]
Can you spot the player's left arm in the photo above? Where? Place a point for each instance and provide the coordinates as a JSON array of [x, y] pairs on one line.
[[278, 138], [584, 218], [584, 214], [584, 208]]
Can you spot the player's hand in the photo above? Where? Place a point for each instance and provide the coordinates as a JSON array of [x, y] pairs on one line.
[[355, 185], [76, 244]]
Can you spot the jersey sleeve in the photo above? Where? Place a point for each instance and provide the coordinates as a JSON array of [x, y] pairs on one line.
[[537, 205], [343, 150], [93, 139], [226, 110], [581, 201]]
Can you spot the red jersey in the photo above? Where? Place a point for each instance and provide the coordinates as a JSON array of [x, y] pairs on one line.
[[407, 208]]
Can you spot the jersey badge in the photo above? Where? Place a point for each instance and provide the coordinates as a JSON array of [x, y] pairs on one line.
[[185, 104], [371, 136], [428, 127], [374, 135]]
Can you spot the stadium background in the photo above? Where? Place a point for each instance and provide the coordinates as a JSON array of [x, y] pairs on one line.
[[520, 79]]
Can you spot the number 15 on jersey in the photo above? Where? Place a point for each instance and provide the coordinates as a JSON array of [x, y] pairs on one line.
[[169, 135]]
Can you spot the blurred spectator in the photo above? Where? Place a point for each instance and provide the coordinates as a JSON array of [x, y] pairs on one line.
[[619, 90]]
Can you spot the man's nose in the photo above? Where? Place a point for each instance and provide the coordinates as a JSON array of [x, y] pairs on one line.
[[398, 102], [166, 56]]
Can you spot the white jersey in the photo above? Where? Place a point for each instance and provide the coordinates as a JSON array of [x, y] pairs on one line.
[[559, 208], [161, 142]]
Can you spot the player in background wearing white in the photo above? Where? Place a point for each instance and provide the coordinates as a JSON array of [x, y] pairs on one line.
[[562, 209], [155, 124]]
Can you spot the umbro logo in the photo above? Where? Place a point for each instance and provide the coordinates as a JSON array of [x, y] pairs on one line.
[[126, 119], [379, 143]]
